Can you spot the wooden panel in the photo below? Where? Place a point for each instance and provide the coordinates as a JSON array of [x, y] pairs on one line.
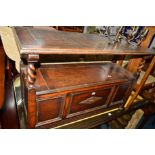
[[50, 108], [39, 41], [75, 118], [87, 100]]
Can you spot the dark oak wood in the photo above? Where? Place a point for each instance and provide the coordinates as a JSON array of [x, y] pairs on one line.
[[66, 91], [50, 108], [97, 120], [61, 77], [57, 94], [38, 41], [85, 100], [31, 108]]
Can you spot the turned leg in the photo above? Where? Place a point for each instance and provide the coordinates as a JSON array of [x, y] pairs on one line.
[[31, 74]]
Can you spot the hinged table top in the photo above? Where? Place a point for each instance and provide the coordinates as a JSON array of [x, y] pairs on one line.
[[39, 41]]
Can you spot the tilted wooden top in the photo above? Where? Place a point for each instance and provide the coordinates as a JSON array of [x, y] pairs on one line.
[[38, 41], [61, 77]]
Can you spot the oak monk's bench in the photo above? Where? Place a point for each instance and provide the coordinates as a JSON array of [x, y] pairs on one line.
[[63, 94]]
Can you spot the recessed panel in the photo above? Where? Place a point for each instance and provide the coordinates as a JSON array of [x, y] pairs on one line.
[[50, 108], [88, 100]]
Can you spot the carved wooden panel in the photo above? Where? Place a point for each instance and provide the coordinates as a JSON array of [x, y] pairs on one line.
[[88, 100]]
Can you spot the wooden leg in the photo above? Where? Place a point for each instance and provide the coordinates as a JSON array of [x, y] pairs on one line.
[[31, 92], [31, 109], [147, 73]]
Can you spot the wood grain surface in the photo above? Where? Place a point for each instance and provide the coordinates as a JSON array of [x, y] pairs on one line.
[[61, 77], [41, 41]]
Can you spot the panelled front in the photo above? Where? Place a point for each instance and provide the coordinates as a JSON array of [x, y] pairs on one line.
[[87, 101], [72, 91], [50, 109], [80, 102]]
